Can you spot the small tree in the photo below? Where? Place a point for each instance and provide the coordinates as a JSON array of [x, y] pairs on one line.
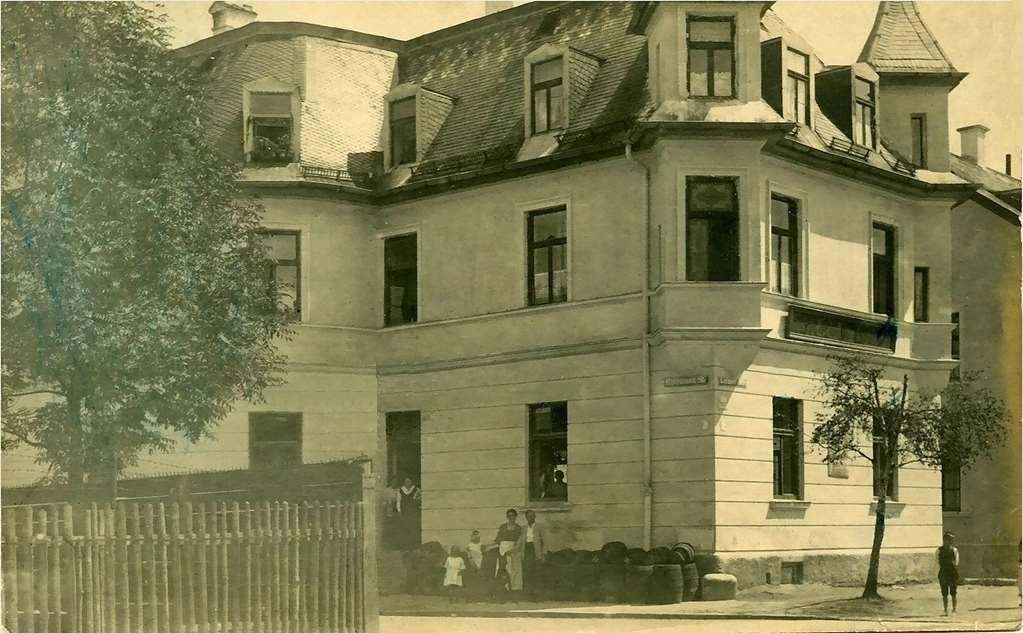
[[136, 300], [957, 425]]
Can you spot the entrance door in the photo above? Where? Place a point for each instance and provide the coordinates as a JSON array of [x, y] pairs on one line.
[[404, 455]]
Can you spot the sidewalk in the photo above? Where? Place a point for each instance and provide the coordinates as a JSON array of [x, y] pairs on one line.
[[978, 606]]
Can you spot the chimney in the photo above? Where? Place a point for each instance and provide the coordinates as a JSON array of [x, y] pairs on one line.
[[1008, 164], [227, 15], [493, 6], [971, 141]]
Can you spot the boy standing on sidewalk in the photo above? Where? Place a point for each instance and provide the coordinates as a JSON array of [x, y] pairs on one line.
[[948, 569]]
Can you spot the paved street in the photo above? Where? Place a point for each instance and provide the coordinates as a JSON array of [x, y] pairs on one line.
[[390, 624]]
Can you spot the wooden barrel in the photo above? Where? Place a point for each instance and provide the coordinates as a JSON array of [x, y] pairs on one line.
[[612, 583], [690, 581], [666, 584], [637, 583]]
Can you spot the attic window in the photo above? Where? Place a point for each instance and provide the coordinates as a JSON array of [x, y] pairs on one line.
[[270, 128], [797, 86], [403, 131], [548, 95], [864, 109], [549, 23], [711, 56]]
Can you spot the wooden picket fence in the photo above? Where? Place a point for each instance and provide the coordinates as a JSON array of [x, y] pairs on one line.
[[177, 567]]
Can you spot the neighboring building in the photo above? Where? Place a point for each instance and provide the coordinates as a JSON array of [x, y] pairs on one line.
[[610, 239]]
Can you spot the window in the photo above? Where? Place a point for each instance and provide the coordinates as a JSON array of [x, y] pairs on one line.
[[711, 56], [548, 95], [270, 124], [797, 100], [403, 131], [880, 463], [955, 336], [787, 454], [921, 294], [547, 236], [285, 271], [918, 131], [784, 245], [548, 451], [951, 488], [883, 247], [712, 229], [401, 280], [275, 439], [863, 114]]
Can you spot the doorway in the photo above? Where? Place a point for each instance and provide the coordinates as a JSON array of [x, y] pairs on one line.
[[404, 459]]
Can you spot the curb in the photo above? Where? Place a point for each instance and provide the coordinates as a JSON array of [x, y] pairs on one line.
[[615, 615]]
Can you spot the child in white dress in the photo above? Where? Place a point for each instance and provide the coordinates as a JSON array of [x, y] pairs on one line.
[[453, 568]]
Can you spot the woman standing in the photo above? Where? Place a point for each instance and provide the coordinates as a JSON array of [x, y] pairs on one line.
[[509, 552], [406, 504]]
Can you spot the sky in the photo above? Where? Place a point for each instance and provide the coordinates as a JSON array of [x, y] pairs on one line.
[[977, 35]]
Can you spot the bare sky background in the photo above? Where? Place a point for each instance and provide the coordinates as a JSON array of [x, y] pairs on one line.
[[982, 38]]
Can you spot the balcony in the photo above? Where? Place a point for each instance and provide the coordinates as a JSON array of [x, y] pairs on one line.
[[707, 310]]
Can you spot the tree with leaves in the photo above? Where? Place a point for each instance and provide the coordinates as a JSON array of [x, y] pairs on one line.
[[136, 296], [861, 405]]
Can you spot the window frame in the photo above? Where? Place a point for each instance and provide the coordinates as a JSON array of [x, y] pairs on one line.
[[796, 78], [710, 47], [391, 124], [793, 233], [296, 311], [387, 279], [690, 214], [918, 147], [921, 294], [277, 115], [946, 500], [891, 259], [546, 86], [954, 344], [534, 495], [859, 124], [293, 416], [532, 245], [794, 436]]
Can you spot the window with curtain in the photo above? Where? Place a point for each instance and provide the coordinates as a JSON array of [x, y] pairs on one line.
[[784, 245], [711, 61], [547, 275], [712, 229]]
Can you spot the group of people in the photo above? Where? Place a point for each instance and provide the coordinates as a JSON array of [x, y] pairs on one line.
[[506, 567]]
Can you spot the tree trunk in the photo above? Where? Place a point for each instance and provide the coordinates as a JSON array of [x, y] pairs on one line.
[[76, 457], [870, 587]]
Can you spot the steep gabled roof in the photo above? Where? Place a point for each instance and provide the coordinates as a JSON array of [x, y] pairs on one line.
[[900, 42]]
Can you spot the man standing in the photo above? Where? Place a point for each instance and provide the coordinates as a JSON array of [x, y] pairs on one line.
[[532, 554]]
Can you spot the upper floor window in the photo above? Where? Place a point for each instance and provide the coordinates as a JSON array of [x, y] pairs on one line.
[[921, 294], [548, 451], [797, 86], [270, 128], [712, 229], [883, 247], [787, 442], [864, 124], [547, 237], [285, 273], [403, 131], [918, 140], [401, 280], [711, 63], [547, 95], [275, 439], [784, 245]]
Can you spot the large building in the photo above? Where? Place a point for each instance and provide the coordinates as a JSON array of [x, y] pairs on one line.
[[615, 240]]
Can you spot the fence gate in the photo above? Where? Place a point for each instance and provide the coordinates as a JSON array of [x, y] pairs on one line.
[[186, 567]]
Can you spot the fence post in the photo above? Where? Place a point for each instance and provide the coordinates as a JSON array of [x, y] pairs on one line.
[[10, 560], [370, 612]]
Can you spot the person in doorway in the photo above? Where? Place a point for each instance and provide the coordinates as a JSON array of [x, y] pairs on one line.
[[558, 488], [509, 554], [532, 546], [454, 566], [406, 506], [948, 569]]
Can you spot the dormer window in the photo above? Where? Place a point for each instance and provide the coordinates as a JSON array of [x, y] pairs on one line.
[[403, 131], [797, 86], [711, 56], [270, 128], [548, 95], [864, 111]]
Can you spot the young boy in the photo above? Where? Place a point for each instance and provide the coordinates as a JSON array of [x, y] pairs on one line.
[[948, 569]]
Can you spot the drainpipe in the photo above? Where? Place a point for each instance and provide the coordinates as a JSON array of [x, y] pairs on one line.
[[648, 487]]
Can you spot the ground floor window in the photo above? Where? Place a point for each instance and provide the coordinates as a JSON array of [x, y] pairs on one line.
[[787, 439], [275, 439], [548, 451], [951, 488]]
